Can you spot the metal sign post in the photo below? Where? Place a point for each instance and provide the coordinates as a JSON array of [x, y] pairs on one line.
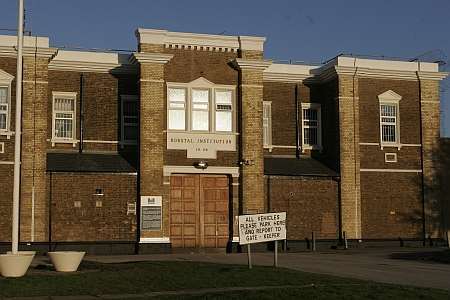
[[249, 254], [275, 258]]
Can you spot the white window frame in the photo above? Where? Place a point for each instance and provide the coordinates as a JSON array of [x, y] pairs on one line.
[[65, 95], [316, 106], [267, 125], [203, 84], [392, 99], [6, 82], [129, 98]]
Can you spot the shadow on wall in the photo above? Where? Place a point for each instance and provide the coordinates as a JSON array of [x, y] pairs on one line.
[[437, 207]]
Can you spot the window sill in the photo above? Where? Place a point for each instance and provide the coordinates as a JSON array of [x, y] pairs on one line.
[[309, 147], [390, 145], [202, 132], [58, 141], [7, 133]]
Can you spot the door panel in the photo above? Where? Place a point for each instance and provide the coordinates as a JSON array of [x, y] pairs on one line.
[[199, 211]]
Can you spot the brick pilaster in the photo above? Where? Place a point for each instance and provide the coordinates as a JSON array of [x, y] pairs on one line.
[[33, 201], [152, 130], [349, 155], [430, 115], [252, 154]]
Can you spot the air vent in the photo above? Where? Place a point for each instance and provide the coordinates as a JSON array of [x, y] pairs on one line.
[[390, 157]]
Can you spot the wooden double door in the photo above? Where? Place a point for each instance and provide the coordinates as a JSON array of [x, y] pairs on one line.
[[199, 211]]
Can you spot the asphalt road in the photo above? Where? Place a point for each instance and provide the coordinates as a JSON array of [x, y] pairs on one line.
[[367, 264]]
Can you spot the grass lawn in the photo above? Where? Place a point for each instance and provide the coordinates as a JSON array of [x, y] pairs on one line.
[[146, 277]]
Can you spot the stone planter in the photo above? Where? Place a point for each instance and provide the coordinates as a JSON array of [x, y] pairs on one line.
[[15, 265], [66, 261]]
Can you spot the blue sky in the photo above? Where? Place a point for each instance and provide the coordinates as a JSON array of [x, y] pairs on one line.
[[310, 31]]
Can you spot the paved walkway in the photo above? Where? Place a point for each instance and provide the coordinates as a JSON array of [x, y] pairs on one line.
[[366, 264]]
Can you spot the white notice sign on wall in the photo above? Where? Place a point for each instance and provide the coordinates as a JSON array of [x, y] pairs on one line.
[[201, 145], [262, 228]]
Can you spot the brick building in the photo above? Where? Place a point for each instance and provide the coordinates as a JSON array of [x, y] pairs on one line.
[[165, 146]]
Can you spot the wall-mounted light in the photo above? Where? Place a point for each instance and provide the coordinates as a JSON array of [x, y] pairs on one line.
[[201, 165], [247, 162]]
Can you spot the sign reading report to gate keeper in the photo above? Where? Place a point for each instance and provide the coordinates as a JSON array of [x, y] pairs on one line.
[[201, 145], [262, 228]]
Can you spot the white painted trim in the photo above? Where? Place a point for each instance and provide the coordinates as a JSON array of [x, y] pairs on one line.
[[391, 145], [369, 144], [252, 85], [391, 170], [169, 170], [2, 147], [283, 147], [6, 162], [34, 82], [159, 240], [389, 97], [152, 80]]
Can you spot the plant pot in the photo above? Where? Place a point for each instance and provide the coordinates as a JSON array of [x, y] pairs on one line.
[[15, 265], [66, 261], [33, 253]]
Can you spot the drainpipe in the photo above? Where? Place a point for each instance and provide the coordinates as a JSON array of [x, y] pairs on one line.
[[50, 200], [424, 234], [297, 125], [80, 147]]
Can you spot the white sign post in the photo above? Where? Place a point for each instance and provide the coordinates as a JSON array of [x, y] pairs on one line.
[[262, 228]]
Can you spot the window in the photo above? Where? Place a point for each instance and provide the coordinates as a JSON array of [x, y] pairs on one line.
[[200, 106], [5, 103], [267, 124], [130, 124], [4, 108], [388, 121], [224, 111], [200, 110], [311, 126], [177, 108], [64, 117], [389, 118]]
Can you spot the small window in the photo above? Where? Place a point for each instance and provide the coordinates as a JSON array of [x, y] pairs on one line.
[[64, 117], [224, 111], [130, 123], [4, 108], [390, 157], [177, 108], [311, 127], [200, 110], [267, 123], [388, 123]]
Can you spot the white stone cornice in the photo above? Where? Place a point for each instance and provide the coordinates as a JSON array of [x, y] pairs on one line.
[[155, 58], [288, 73], [96, 62], [432, 75], [11, 51], [199, 41], [251, 43], [251, 64]]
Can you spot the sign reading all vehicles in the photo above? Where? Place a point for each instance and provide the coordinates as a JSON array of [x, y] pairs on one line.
[[262, 228]]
